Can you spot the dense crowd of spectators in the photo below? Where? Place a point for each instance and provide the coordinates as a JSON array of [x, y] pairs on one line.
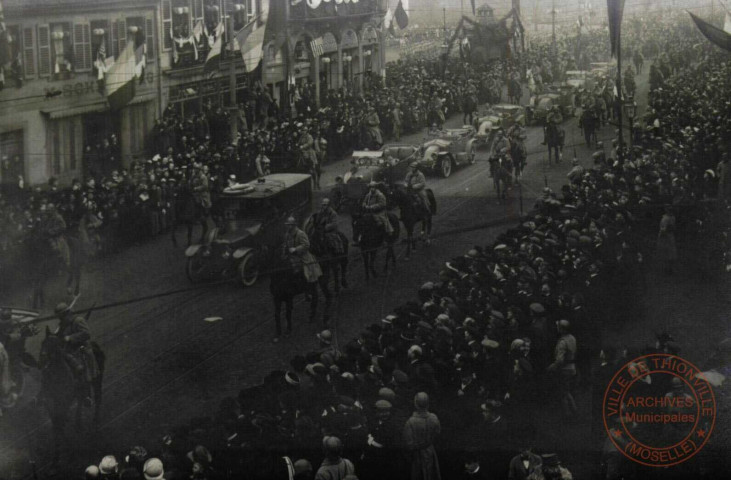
[[505, 331]]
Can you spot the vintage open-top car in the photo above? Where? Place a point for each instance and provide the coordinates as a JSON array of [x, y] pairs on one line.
[[502, 115], [253, 227], [386, 166], [451, 148], [579, 80], [540, 105]]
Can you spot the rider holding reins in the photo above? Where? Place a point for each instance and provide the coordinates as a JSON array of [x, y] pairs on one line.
[[76, 336], [416, 184]]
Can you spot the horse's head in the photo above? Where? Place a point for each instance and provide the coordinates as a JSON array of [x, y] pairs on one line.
[[51, 347]]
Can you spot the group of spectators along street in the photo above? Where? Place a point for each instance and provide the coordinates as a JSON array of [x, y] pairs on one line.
[[506, 332]]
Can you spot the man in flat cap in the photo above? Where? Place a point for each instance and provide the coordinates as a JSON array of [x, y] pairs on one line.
[[565, 367]]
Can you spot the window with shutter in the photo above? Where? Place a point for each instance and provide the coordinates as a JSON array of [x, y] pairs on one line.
[[122, 35], [197, 11], [44, 50], [150, 38], [167, 25], [29, 57], [82, 47]]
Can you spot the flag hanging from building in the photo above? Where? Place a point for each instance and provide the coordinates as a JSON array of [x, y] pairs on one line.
[[317, 47], [120, 79], [250, 40], [276, 25], [615, 10], [213, 60], [402, 19], [713, 34], [101, 57]]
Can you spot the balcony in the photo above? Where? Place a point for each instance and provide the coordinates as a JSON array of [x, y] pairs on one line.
[[327, 11]]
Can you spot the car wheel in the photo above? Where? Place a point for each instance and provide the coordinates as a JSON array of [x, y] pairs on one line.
[[195, 268], [446, 167], [473, 155], [248, 271]]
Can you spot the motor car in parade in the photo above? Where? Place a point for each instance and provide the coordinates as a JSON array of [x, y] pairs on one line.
[[253, 227], [448, 149], [502, 115], [603, 70], [581, 81], [385, 166], [540, 105]]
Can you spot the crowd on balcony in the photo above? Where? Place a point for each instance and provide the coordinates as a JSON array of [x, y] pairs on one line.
[[464, 380]]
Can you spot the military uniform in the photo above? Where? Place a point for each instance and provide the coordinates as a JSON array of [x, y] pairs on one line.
[[416, 181], [375, 204], [76, 334], [301, 259], [201, 190]]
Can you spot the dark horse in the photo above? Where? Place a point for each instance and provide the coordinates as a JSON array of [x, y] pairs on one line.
[[412, 213], [189, 213], [60, 388], [501, 170], [469, 107], [285, 284], [372, 236], [555, 136], [66, 254], [331, 248]]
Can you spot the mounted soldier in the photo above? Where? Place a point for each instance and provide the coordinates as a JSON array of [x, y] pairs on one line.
[[326, 222], [375, 203], [416, 186], [200, 188], [78, 350], [52, 229], [297, 250]]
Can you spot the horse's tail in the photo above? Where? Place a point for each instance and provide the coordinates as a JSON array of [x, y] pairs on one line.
[[432, 201]]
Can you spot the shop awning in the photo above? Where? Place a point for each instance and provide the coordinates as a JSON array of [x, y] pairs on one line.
[[65, 112]]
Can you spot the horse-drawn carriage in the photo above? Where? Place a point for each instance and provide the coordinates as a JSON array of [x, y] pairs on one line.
[[253, 227], [384, 166], [453, 147]]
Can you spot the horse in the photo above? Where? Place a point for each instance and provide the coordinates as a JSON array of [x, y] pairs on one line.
[[65, 253], [60, 388], [372, 236], [189, 213], [412, 213], [285, 284], [515, 91], [639, 62], [588, 122], [332, 253], [519, 154], [555, 137]]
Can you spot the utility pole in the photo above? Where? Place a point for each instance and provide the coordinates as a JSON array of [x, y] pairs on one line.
[[619, 107], [285, 53]]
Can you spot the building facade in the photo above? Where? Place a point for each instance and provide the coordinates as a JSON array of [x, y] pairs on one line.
[[53, 104], [349, 51]]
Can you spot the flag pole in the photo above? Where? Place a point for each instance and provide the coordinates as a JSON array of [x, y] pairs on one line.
[[233, 107]]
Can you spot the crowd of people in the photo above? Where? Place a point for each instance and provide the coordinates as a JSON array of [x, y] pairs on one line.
[[452, 383]]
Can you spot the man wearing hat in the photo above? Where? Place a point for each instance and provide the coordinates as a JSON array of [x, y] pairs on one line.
[[416, 185], [326, 223], [380, 460], [297, 251], [306, 147], [374, 203], [76, 337], [199, 187]]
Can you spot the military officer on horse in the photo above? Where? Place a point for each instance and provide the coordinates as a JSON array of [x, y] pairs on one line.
[[375, 204], [53, 228], [77, 348], [296, 249], [416, 186], [326, 221]]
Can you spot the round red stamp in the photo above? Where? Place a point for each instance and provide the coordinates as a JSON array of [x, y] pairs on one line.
[[659, 410]]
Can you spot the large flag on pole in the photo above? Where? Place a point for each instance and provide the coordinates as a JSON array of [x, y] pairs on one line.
[[615, 10], [714, 34], [250, 42], [213, 60], [120, 79], [402, 19], [727, 23]]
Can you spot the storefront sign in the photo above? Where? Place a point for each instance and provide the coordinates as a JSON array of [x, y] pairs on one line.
[[77, 89], [370, 36], [350, 40]]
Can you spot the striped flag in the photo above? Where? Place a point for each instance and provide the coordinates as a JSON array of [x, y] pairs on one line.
[[120, 81], [101, 56], [213, 60], [317, 46], [250, 42]]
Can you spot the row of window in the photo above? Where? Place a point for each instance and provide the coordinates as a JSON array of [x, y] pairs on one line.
[[179, 17], [48, 50]]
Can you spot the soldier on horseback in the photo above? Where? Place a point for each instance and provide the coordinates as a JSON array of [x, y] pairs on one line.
[[375, 204], [297, 250], [52, 228], [416, 186], [199, 187], [77, 348], [326, 221], [554, 118]]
